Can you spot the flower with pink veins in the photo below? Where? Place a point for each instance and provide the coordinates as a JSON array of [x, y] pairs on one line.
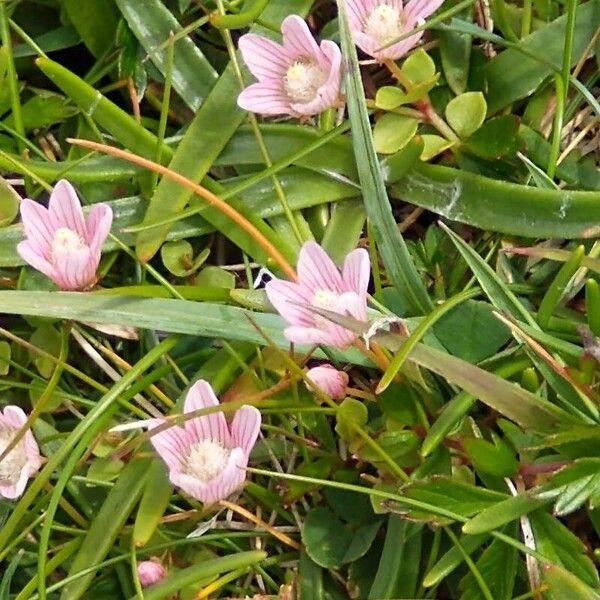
[[60, 242], [321, 285], [376, 23], [150, 571], [298, 78], [23, 460], [329, 380], [207, 457]]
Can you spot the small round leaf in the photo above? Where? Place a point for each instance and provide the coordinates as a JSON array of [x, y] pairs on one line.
[[466, 113]]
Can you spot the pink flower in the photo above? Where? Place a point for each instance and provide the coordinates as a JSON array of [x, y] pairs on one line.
[[150, 571], [321, 285], [60, 242], [329, 380], [298, 78], [375, 23], [207, 457], [23, 460]]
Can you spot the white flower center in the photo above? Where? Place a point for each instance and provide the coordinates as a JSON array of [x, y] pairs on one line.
[[12, 464], [303, 79], [327, 300], [384, 24], [206, 459], [66, 241]]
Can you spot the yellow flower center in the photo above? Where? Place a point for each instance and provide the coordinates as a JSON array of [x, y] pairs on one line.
[[206, 459], [302, 80], [384, 24], [66, 241]]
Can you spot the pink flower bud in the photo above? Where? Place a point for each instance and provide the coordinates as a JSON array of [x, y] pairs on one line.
[[329, 380], [150, 571], [60, 242]]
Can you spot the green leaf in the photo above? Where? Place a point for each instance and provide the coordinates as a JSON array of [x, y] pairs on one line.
[[390, 97], [471, 331], [496, 290], [555, 541], [491, 204], [419, 67], [192, 75], [49, 340], [106, 526], [466, 113], [442, 492], [455, 52], [155, 499], [9, 203], [562, 584], [392, 132], [330, 543], [95, 22], [493, 459], [515, 73], [501, 513], [396, 560], [495, 138], [434, 145], [498, 567], [350, 411], [452, 559], [396, 257]]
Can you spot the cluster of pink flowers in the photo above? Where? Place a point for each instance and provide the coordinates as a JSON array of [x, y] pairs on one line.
[[302, 78]]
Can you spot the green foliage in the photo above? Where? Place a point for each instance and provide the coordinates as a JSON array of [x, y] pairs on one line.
[[463, 460]]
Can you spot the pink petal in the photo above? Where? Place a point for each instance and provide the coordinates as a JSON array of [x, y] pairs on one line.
[[245, 427], [65, 208], [207, 427], [358, 12], [29, 252], [32, 451], [14, 490], [297, 38], [316, 270], [289, 299], [398, 50], [329, 380], [309, 335], [353, 305], [13, 417], [328, 94], [75, 270], [98, 226], [36, 224], [265, 98], [228, 481], [420, 9], [171, 444], [265, 58], [356, 271]]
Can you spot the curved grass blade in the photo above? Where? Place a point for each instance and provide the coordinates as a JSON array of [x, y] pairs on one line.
[[399, 264], [501, 206]]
